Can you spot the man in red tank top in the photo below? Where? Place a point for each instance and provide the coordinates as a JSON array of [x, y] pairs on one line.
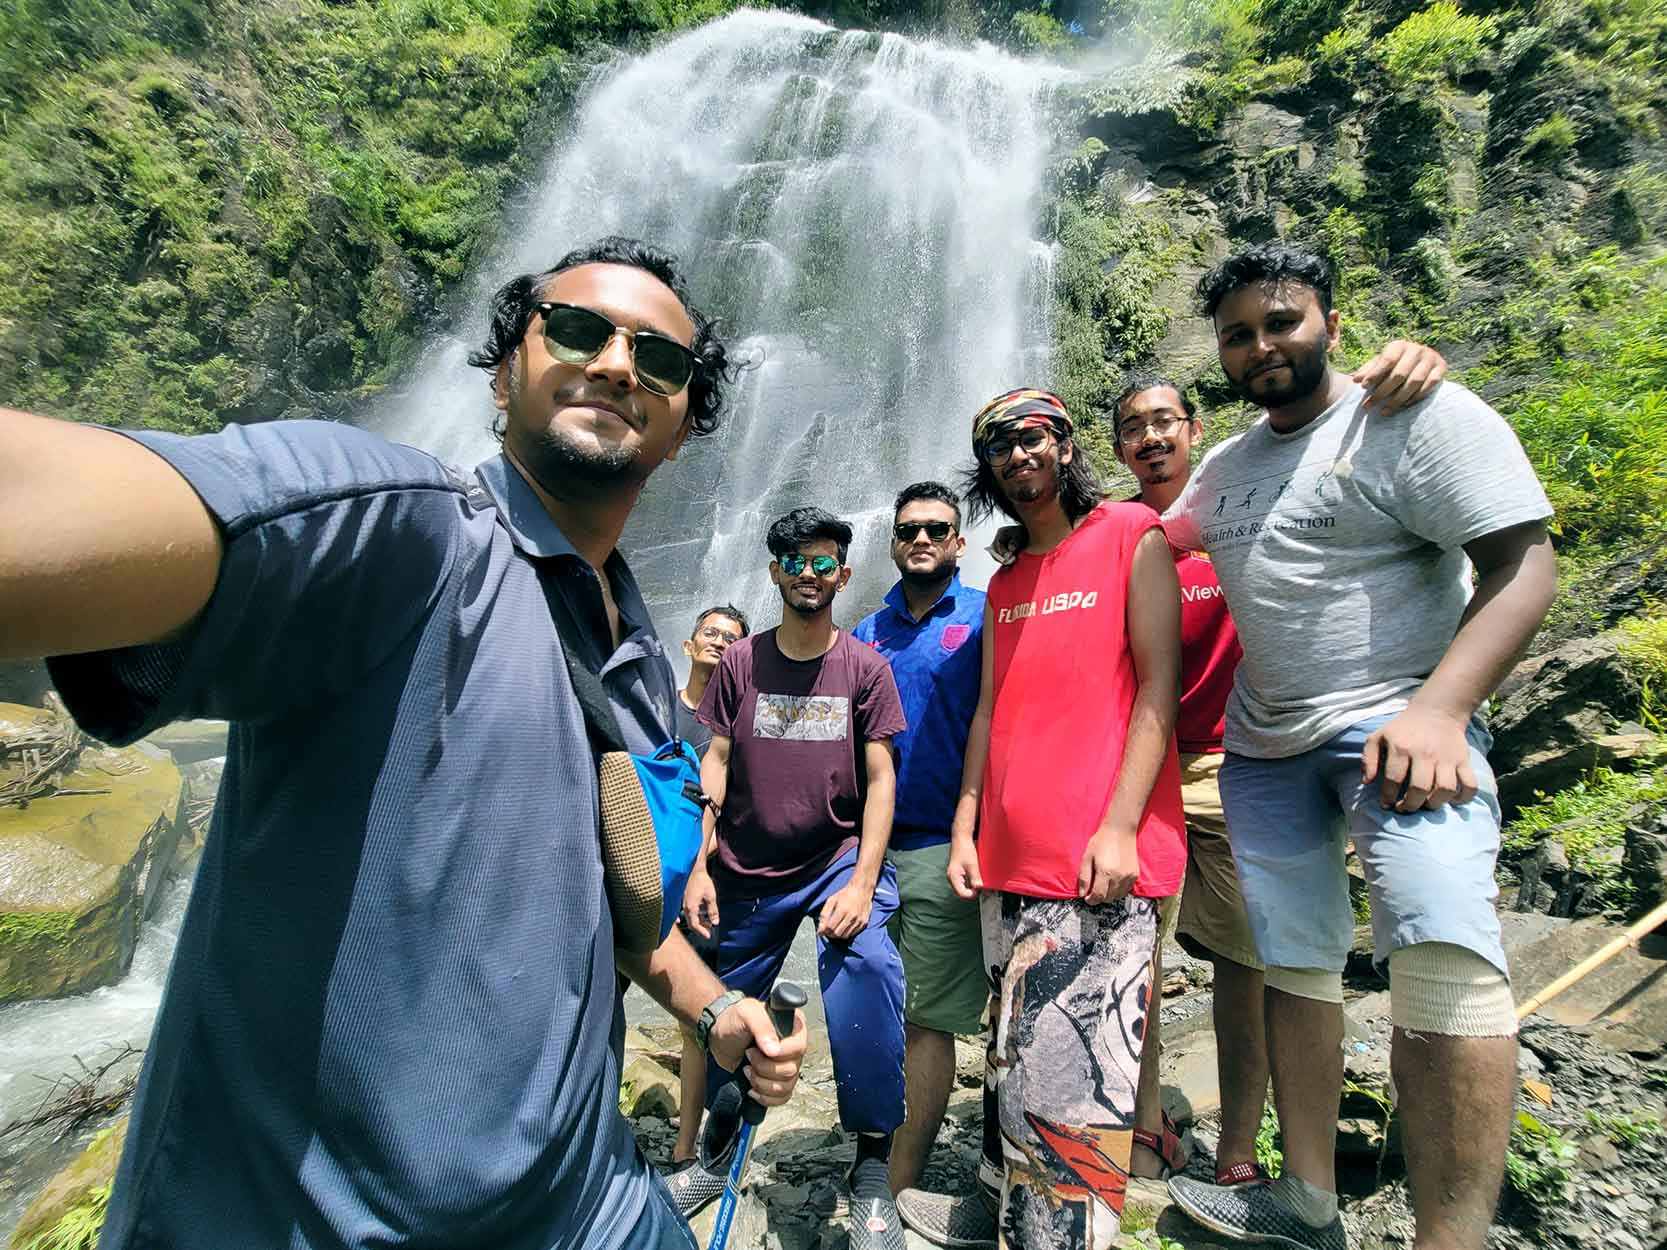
[[1077, 807]]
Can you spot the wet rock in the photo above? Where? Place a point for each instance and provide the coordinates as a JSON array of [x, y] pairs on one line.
[[79, 870], [92, 1168], [648, 1089]]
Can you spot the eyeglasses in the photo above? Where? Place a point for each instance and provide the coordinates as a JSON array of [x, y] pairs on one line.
[[937, 531], [998, 451], [577, 336], [1132, 431], [710, 633], [822, 566]]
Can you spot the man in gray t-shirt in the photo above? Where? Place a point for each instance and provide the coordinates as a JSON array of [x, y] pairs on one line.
[[1345, 545]]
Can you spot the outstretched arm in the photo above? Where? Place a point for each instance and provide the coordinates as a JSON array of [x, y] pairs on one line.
[[102, 543], [1424, 748]]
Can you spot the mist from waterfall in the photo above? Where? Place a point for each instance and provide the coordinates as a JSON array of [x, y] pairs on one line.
[[860, 210]]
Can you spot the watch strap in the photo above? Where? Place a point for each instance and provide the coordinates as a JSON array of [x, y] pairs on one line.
[[710, 1013]]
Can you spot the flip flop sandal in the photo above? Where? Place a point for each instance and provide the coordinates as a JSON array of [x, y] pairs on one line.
[[1170, 1148]]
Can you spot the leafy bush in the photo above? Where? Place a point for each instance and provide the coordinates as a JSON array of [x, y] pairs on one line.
[[1538, 1165], [1590, 818], [1551, 140], [1438, 42]]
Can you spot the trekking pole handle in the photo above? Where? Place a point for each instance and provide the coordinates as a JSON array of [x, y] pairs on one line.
[[786, 999]]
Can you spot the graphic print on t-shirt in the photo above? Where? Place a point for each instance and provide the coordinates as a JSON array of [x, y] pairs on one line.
[[1305, 500], [802, 717]]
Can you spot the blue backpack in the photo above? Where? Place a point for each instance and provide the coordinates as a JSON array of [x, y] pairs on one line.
[[651, 809]]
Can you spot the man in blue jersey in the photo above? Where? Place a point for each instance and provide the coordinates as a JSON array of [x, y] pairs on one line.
[[930, 629], [392, 1017]]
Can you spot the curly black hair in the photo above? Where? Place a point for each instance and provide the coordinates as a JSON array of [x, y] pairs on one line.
[[807, 525], [1266, 262], [512, 309]]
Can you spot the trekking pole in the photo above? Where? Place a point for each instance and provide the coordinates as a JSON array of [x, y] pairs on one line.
[[1633, 935], [785, 999]]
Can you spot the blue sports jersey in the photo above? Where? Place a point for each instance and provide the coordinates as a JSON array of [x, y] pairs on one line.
[[936, 662]]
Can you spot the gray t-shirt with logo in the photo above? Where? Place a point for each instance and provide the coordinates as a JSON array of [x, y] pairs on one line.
[[1340, 548]]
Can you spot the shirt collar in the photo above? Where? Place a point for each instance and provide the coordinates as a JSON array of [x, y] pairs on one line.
[[529, 524], [898, 603], [533, 531]]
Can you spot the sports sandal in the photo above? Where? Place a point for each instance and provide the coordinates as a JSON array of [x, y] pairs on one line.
[[1170, 1147]]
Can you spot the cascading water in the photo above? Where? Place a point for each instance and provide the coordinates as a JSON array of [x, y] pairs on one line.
[[860, 210]]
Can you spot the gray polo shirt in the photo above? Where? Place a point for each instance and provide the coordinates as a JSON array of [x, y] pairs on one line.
[[391, 1018]]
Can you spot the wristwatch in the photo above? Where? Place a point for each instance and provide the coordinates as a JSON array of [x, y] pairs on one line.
[[709, 1016]]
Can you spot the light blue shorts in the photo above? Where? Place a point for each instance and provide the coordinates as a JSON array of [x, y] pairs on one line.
[[1430, 874]]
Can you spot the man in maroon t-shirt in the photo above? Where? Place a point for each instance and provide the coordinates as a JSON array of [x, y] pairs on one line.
[[801, 778]]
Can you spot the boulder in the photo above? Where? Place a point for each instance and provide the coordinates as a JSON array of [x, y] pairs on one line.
[[79, 870], [1560, 715], [648, 1088], [91, 1170], [191, 741]]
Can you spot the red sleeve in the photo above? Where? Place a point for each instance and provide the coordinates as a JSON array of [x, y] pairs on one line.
[[879, 708]]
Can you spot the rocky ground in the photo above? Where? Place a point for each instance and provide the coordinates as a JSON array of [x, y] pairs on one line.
[[1589, 1156]]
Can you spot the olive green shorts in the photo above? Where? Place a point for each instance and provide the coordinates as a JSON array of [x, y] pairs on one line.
[[937, 933]]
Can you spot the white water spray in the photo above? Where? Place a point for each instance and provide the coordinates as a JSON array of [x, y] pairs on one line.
[[862, 209]]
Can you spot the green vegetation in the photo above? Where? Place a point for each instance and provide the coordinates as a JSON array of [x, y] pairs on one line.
[[1590, 819], [213, 211], [1625, 1130], [1538, 1164], [1269, 1145], [1437, 42], [78, 1228]]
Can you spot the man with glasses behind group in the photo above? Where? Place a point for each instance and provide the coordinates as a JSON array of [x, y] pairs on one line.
[[801, 780], [930, 629]]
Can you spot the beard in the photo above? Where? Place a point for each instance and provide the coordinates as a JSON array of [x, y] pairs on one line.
[[1144, 473], [1034, 489], [797, 605], [563, 467], [1308, 371], [940, 572]]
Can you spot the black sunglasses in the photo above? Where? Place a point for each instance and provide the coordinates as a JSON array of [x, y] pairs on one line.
[[577, 336], [937, 531]]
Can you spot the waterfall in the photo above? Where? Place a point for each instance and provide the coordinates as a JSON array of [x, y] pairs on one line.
[[860, 209]]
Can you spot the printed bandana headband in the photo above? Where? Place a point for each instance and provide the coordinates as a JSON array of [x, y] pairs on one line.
[[1026, 407]]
